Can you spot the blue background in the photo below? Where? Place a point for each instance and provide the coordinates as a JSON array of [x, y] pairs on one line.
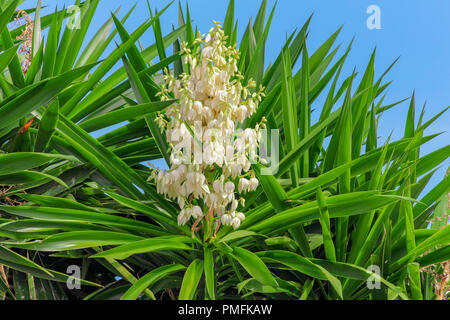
[[418, 31]]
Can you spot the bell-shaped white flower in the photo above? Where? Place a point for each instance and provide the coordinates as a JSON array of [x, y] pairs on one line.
[[184, 216], [226, 220], [235, 223], [243, 185], [240, 216], [229, 187], [218, 186], [197, 212], [253, 184]]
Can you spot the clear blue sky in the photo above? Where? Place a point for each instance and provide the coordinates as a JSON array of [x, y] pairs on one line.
[[418, 31]]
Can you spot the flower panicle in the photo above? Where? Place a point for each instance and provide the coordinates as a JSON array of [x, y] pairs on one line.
[[210, 101]]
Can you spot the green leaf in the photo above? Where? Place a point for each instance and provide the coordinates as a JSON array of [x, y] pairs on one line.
[[144, 246], [351, 271], [34, 71], [159, 38], [442, 237], [414, 281], [303, 265], [305, 112], [432, 196], [278, 198], [272, 188], [435, 257], [47, 126], [14, 67], [190, 280], [441, 213], [289, 104], [254, 266], [124, 114], [210, 278], [258, 26], [7, 13], [78, 35], [14, 260], [51, 49], [365, 221], [16, 162], [325, 224], [338, 206], [31, 98], [288, 287], [102, 69], [155, 214], [189, 30], [42, 226], [99, 41], [102, 91], [7, 56], [153, 276], [59, 214], [431, 160], [142, 97], [37, 38], [237, 235], [229, 19], [108, 163], [76, 240], [24, 177]]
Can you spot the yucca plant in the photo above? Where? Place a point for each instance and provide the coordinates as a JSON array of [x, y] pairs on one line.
[[338, 211]]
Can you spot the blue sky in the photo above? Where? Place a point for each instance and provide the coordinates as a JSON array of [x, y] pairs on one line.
[[417, 31]]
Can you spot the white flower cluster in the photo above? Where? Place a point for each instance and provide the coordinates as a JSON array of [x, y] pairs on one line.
[[211, 102]]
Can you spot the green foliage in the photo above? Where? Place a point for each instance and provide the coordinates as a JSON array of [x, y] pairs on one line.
[[337, 203]]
